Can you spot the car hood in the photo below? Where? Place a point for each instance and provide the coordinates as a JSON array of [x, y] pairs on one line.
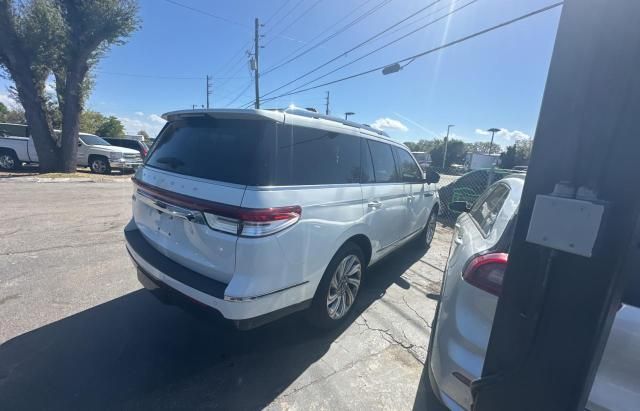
[[115, 149]]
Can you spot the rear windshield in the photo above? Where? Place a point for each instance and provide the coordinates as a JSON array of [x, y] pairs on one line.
[[216, 149], [257, 152]]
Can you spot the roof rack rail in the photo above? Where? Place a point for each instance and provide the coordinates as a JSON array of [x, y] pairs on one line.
[[310, 114]]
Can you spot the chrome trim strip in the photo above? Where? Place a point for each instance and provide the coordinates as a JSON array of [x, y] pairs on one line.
[[231, 298], [172, 210]]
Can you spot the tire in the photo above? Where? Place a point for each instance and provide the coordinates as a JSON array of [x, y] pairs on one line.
[[8, 160], [343, 291], [99, 165], [426, 235]]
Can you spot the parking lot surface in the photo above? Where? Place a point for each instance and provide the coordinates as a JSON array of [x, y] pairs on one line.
[[78, 332]]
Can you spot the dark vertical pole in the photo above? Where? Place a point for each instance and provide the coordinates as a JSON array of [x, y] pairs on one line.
[[256, 54], [327, 105], [556, 309], [208, 89]]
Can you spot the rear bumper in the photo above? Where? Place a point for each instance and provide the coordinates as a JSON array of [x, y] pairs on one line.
[[174, 283]]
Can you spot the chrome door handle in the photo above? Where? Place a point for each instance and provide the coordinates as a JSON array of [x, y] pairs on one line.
[[374, 204]]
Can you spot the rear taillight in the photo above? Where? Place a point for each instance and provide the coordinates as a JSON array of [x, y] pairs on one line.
[[245, 222], [249, 222], [487, 272]]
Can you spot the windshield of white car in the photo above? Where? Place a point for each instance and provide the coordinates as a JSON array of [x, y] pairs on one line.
[[91, 140]]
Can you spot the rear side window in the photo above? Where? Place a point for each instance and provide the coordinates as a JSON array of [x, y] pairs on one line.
[[216, 149], [384, 166], [486, 209], [308, 156], [409, 170], [367, 164]]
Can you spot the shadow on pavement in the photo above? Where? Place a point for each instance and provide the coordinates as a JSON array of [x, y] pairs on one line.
[[134, 352]]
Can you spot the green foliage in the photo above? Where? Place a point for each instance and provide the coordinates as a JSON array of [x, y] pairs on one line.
[[422, 145], [483, 147], [456, 152], [517, 154], [111, 127], [10, 115], [90, 121]]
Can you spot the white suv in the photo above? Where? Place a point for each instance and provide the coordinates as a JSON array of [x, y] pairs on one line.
[[259, 213]]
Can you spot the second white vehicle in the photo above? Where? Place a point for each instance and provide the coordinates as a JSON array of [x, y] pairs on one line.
[[16, 148]]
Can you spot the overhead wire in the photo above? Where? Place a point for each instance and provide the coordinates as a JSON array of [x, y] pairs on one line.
[[426, 52]]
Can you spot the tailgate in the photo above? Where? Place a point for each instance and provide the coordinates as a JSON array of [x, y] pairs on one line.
[[162, 213]]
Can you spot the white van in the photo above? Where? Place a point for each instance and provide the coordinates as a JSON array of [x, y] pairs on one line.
[[257, 213]]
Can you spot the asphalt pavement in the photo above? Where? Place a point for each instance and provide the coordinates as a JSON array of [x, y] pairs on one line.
[[78, 332]]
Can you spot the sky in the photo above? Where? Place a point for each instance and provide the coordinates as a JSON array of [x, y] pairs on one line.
[[493, 80]]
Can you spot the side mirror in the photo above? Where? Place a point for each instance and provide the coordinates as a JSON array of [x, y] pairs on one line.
[[459, 206], [79, 144], [431, 177]]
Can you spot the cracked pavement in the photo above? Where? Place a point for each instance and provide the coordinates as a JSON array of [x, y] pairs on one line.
[[77, 331]]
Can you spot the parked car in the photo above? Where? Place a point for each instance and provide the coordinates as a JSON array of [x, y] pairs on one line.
[[18, 148], [257, 214], [469, 187], [470, 292], [423, 159], [133, 144]]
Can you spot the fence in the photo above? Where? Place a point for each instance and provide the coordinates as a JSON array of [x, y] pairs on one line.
[[456, 185]]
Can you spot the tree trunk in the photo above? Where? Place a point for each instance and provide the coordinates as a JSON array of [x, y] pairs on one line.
[[40, 129], [71, 108]]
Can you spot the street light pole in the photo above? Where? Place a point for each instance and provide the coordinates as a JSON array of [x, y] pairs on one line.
[[493, 132], [347, 114], [446, 141]]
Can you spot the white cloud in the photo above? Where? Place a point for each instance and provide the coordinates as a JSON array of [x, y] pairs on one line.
[[387, 123], [139, 113], [505, 134], [152, 123], [6, 100]]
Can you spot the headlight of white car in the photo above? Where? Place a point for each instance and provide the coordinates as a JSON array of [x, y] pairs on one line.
[[115, 155]]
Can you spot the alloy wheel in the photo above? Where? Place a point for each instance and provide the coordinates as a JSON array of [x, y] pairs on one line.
[[431, 229], [7, 162], [344, 287]]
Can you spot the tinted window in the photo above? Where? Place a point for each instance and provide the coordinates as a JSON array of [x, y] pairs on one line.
[[367, 164], [409, 170], [384, 167], [91, 140], [216, 149], [486, 209], [307, 156]]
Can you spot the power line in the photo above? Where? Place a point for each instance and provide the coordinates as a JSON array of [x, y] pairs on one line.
[[317, 36], [372, 51], [352, 48], [294, 21], [339, 31], [242, 93], [161, 77], [291, 10], [276, 12], [206, 13], [424, 53]]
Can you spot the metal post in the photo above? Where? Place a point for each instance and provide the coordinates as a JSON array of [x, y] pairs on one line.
[[327, 104], [556, 309], [256, 54], [208, 90], [446, 142]]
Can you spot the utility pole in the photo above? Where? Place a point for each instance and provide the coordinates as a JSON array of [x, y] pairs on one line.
[[559, 299], [327, 104], [347, 114], [256, 59], [208, 89], [446, 141]]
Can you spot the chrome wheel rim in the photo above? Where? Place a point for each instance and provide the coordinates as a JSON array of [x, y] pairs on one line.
[[344, 287], [431, 229], [6, 162], [99, 166]]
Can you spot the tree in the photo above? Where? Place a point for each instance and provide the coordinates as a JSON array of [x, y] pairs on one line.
[[483, 147], [3, 112], [65, 38], [456, 152], [90, 121], [111, 127], [517, 154], [144, 134]]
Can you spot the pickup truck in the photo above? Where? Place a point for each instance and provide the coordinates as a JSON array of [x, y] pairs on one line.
[[16, 147]]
